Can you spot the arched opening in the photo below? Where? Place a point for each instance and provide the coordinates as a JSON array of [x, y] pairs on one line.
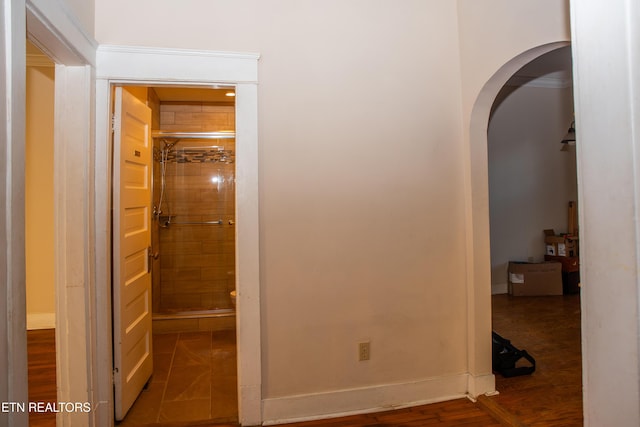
[[479, 260]]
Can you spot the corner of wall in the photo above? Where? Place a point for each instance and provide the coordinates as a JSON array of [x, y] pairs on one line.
[[41, 321]]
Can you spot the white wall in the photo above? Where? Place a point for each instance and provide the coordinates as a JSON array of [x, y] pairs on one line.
[[488, 38], [83, 11], [362, 179], [40, 198], [530, 180], [606, 72]]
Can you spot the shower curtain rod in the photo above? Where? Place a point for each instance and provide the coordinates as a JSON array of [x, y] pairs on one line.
[[193, 135]]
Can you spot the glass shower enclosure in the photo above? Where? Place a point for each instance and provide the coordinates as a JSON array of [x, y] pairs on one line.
[[194, 212]]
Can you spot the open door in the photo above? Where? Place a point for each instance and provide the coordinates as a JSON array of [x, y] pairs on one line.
[[133, 361]]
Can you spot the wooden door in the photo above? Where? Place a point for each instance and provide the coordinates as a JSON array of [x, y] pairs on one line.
[[133, 361]]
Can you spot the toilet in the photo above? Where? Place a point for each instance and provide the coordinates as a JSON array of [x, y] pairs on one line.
[[233, 297]]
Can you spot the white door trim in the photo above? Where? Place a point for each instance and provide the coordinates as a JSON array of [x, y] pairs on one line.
[[143, 66], [13, 332]]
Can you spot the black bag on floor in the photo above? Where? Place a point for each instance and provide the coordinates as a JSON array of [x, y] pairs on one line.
[[505, 357]]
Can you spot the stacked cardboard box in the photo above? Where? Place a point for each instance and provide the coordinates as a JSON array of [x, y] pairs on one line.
[[564, 244], [560, 245], [564, 249]]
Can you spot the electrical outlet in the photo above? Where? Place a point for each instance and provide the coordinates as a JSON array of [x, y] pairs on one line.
[[364, 351]]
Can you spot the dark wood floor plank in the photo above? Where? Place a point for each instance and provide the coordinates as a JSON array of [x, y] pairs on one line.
[[41, 356]]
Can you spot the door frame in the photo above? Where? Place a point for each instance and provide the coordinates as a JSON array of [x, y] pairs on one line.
[[59, 35], [177, 67]]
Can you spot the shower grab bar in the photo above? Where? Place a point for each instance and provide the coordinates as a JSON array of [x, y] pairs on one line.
[[194, 135], [218, 222]]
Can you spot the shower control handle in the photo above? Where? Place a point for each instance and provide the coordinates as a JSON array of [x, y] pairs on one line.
[[151, 256]]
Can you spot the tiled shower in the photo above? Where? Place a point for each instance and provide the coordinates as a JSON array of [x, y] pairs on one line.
[[194, 209]]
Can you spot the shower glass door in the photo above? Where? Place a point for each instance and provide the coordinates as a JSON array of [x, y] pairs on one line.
[[195, 196]]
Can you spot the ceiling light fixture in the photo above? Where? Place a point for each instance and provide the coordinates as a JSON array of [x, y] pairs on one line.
[[230, 94]]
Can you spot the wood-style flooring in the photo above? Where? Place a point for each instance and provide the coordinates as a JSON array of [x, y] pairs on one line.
[[547, 327], [41, 350], [194, 380]]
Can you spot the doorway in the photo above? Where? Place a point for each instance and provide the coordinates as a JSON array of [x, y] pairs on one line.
[[533, 187], [154, 67], [190, 208], [530, 248]]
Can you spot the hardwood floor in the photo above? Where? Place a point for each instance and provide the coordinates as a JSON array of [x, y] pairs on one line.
[[547, 327], [41, 350]]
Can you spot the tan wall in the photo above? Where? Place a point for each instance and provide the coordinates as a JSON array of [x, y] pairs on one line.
[[197, 262], [39, 198]]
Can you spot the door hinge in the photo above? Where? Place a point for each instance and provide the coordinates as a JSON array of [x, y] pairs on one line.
[[113, 123]]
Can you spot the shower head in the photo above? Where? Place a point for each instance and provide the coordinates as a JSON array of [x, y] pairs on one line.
[[169, 143]]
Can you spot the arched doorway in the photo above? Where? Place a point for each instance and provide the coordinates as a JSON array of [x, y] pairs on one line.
[[531, 182], [478, 243]]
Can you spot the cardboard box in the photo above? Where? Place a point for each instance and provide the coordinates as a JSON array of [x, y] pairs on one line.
[[531, 279], [560, 245]]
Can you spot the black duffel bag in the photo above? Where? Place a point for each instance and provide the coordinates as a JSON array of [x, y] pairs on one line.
[[506, 356]]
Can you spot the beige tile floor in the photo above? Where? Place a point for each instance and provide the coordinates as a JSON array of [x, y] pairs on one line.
[[194, 379]]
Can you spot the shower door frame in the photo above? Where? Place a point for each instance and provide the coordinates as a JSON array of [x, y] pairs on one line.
[[175, 67]]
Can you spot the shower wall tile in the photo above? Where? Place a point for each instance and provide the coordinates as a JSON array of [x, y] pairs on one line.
[[214, 119], [211, 108], [194, 287], [219, 271], [174, 274], [176, 248], [178, 233], [212, 247], [167, 117], [191, 260], [199, 117], [197, 262], [183, 169]]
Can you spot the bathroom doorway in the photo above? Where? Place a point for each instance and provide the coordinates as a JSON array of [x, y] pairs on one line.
[[191, 256], [168, 67]]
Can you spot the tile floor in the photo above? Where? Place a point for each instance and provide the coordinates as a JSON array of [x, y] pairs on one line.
[[195, 379]]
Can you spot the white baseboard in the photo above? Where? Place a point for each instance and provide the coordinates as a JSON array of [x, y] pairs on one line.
[[41, 321], [340, 403], [499, 288], [481, 384]]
